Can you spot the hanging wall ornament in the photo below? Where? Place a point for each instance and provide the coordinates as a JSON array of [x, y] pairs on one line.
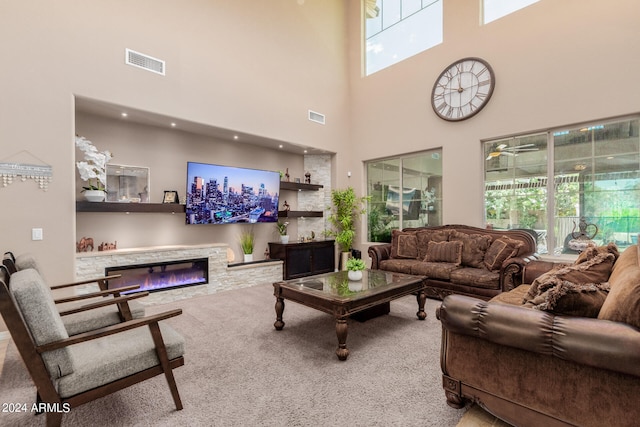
[[41, 174]]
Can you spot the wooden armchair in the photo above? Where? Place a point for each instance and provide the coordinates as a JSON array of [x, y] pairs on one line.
[[69, 371], [86, 312]]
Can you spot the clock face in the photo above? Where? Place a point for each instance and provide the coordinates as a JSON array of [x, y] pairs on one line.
[[462, 89]]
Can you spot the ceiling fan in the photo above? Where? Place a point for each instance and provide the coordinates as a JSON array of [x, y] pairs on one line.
[[505, 150]]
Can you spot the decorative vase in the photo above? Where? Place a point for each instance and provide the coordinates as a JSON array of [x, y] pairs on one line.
[[248, 257], [284, 238], [94, 195], [354, 275], [355, 286]]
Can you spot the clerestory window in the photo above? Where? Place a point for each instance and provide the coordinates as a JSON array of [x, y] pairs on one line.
[[496, 9], [398, 29]]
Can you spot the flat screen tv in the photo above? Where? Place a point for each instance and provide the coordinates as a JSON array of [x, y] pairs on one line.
[[225, 194]]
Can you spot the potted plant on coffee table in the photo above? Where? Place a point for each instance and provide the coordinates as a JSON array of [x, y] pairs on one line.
[[344, 212], [354, 268]]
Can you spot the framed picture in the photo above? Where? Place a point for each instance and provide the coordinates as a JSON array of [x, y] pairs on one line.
[[297, 180], [170, 197], [129, 184]]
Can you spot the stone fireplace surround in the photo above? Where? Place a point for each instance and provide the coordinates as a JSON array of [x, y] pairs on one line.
[[222, 276]]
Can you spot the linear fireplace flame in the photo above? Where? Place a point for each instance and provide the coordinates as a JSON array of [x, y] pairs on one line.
[[160, 276]]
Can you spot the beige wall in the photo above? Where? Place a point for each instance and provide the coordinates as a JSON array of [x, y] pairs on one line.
[[251, 66], [258, 66], [556, 63]]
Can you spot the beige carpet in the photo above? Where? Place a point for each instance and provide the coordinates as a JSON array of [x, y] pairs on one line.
[[240, 371]]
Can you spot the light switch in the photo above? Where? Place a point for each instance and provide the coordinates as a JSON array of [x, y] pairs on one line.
[[36, 234]]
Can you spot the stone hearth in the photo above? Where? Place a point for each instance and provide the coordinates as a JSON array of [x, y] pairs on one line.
[[222, 277]]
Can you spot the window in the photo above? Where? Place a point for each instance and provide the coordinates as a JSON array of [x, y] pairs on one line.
[[398, 29], [404, 192], [496, 9], [594, 174]]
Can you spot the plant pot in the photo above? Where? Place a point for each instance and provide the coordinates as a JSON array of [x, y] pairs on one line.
[[284, 239], [248, 257], [94, 195], [344, 256], [355, 285], [354, 275]]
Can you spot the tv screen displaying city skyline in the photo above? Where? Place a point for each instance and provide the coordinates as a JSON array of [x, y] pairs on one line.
[[219, 194]]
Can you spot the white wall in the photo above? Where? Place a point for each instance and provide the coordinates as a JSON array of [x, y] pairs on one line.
[[556, 63]]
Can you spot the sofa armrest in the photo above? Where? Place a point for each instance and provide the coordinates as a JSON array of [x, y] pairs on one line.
[[511, 272], [379, 253], [593, 342]]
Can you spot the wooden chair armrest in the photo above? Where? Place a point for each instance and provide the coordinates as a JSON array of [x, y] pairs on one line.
[[116, 291], [108, 330], [104, 303], [98, 280]]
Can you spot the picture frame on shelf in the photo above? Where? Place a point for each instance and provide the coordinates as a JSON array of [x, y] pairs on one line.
[[129, 184], [297, 180], [170, 197]]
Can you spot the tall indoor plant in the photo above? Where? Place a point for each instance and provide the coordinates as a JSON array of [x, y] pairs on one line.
[[346, 207]]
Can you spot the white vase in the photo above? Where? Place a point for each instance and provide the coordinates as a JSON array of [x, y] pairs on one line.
[[284, 239], [248, 257], [354, 275], [94, 195]]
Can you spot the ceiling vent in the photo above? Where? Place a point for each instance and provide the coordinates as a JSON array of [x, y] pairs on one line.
[[316, 117], [143, 61]]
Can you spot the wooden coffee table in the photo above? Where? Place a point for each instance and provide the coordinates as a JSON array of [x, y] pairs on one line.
[[333, 293]]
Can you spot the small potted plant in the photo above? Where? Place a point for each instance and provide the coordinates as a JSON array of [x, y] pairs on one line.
[[354, 268], [247, 241], [282, 230]]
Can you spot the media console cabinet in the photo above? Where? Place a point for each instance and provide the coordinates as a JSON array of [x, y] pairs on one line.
[[304, 258]]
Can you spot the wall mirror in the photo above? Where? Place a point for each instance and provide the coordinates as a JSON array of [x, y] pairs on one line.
[[128, 184]]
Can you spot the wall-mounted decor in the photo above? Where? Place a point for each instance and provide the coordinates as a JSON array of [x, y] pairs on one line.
[[127, 184], [171, 197], [10, 170]]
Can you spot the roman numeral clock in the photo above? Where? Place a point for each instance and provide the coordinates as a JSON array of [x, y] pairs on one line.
[[463, 89]]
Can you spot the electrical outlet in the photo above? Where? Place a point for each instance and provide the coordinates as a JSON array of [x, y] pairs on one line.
[[36, 234]]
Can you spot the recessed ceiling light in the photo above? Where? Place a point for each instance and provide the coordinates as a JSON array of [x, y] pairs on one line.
[[305, 151], [124, 114], [280, 146], [173, 124], [235, 136]]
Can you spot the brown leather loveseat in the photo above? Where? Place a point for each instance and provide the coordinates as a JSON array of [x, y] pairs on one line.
[[458, 259], [531, 358]]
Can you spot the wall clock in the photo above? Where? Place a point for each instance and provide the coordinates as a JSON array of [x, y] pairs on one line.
[[463, 89]]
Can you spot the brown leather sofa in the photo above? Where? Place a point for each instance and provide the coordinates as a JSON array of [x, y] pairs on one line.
[[491, 261], [534, 367]]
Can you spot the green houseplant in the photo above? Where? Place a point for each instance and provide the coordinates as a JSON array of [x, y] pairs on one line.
[[247, 241], [346, 207], [282, 231]]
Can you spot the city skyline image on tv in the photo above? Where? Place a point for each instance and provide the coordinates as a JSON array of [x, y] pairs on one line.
[[219, 194]]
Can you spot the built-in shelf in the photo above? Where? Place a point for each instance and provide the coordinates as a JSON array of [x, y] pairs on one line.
[[300, 214], [299, 186], [129, 207]]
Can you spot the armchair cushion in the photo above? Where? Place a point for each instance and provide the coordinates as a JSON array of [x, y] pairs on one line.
[[623, 302], [110, 358], [34, 300], [97, 318]]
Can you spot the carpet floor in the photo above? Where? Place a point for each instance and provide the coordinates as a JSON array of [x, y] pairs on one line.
[[240, 371]]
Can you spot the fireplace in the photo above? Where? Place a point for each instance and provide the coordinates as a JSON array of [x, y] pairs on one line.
[[160, 276]]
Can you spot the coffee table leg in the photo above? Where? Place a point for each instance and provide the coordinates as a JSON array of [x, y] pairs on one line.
[[422, 298], [341, 331], [279, 324]]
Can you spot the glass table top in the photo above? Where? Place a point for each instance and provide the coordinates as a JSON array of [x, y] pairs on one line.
[[338, 285]]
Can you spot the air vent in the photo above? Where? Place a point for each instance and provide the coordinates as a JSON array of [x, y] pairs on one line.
[[316, 117], [143, 61]]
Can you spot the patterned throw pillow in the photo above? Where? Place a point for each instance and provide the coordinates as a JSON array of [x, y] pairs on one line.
[[426, 236], [404, 244], [450, 252], [474, 247], [500, 250]]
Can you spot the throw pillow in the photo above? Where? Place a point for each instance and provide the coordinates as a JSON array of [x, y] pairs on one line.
[[426, 236], [403, 244], [450, 252], [623, 302], [474, 247], [592, 251], [568, 298], [500, 250]]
